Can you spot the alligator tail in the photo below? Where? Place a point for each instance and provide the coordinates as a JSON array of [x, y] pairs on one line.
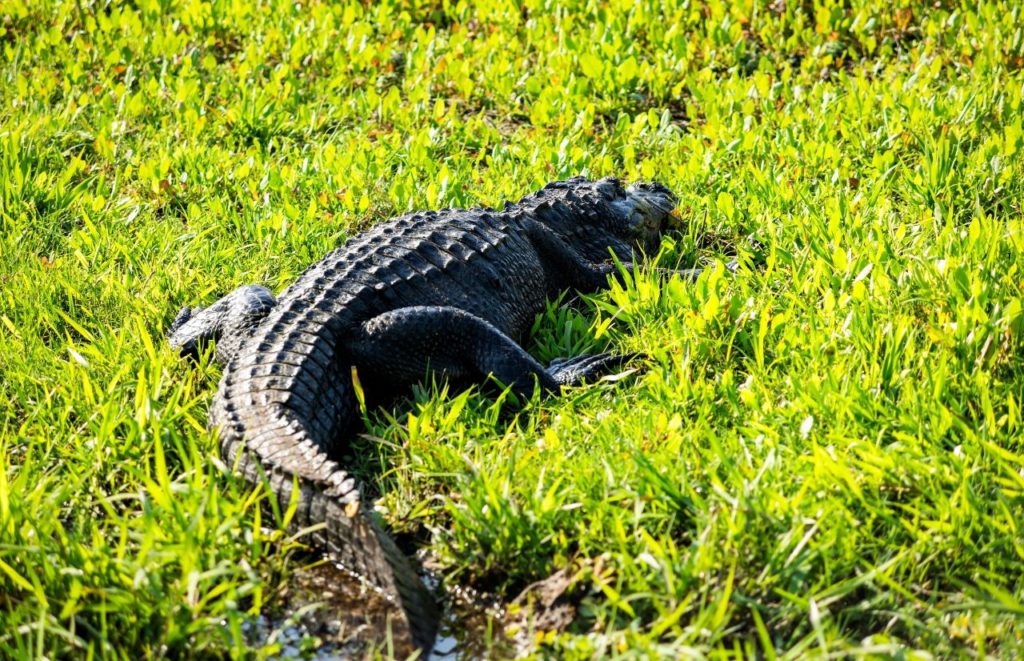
[[276, 446]]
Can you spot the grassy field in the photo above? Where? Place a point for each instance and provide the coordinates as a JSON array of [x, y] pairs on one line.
[[821, 455]]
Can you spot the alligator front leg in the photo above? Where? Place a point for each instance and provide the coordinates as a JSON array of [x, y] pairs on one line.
[[400, 346], [563, 263], [227, 322]]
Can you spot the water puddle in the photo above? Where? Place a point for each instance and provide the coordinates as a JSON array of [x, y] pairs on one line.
[[327, 613], [472, 625]]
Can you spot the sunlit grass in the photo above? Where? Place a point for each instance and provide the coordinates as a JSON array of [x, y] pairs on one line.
[[820, 453]]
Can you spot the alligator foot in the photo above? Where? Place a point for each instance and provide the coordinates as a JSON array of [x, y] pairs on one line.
[[228, 321], [574, 371]]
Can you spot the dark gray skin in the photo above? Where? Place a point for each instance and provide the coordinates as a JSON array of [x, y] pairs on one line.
[[445, 292]]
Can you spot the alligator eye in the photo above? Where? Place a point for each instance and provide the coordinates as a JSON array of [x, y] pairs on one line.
[[639, 220], [607, 188]]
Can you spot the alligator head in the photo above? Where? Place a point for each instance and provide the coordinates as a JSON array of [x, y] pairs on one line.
[[642, 212], [594, 216]]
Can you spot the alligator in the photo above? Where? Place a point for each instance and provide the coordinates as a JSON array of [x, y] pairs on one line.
[[445, 292]]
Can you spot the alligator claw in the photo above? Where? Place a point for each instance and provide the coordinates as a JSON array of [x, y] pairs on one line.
[[183, 316], [573, 371]]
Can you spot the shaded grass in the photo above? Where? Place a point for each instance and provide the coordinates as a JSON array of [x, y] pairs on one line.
[[821, 453]]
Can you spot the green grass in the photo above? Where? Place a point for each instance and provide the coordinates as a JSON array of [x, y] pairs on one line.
[[822, 454]]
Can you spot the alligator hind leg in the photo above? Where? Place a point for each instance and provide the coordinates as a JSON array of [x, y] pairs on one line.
[[398, 347], [227, 322]]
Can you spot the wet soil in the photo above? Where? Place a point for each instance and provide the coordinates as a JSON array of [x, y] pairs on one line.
[[328, 613]]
